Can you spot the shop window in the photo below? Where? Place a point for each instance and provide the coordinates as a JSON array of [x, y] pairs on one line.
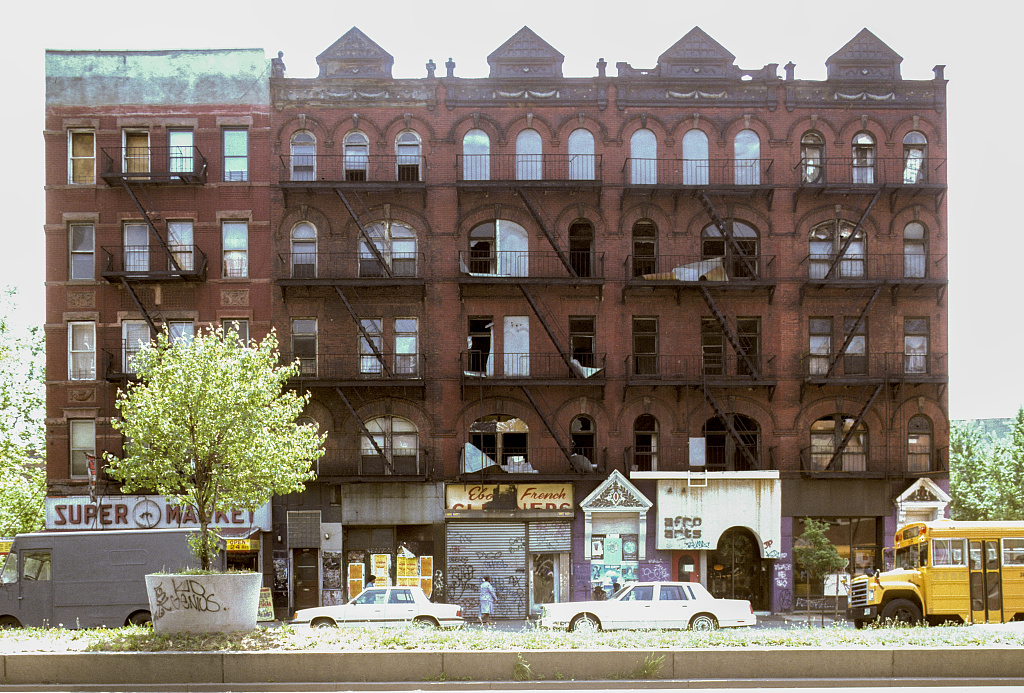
[[915, 158], [645, 346], [739, 258], [394, 250], [391, 448], [303, 240], [83, 251], [855, 538], [827, 241], [581, 155], [645, 444], [476, 156], [408, 157], [863, 158], [81, 157], [357, 156], [645, 248], [812, 157], [919, 444], [529, 156], [915, 345], [695, 158], [915, 251], [643, 158], [747, 158], [303, 156], [827, 434]]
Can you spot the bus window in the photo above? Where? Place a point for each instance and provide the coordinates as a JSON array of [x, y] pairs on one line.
[[10, 573], [948, 552], [908, 558], [1013, 551]]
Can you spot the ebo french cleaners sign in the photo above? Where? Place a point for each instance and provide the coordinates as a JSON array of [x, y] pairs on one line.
[[140, 512]]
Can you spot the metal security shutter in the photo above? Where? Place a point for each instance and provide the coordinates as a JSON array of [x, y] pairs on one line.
[[550, 537], [304, 529], [494, 549]]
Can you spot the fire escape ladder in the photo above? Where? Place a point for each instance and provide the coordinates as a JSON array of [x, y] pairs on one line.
[[853, 234], [365, 431], [547, 232], [385, 267], [726, 231], [138, 304], [547, 423], [729, 427], [853, 428], [367, 337], [853, 332], [547, 328], [152, 227], [730, 334]]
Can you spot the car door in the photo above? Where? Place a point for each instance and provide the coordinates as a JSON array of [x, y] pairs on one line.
[[368, 609], [401, 606], [674, 606], [635, 609]]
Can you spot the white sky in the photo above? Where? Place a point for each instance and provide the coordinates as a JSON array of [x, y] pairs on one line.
[[977, 41]]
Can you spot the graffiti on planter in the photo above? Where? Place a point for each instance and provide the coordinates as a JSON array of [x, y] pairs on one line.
[[183, 595]]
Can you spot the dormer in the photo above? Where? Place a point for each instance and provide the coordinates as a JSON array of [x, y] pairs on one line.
[[697, 56], [864, 58], [355, 56], [525, 55]]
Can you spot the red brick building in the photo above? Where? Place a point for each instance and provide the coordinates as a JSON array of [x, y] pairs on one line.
[[563, 331]]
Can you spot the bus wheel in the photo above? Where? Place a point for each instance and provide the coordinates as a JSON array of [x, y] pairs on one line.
[[902, 612], [139, 618], [9, 622], [859, 623]]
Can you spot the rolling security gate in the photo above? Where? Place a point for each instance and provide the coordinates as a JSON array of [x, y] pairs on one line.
[[493, 549]]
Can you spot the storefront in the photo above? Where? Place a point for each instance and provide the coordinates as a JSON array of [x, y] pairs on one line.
[[518, 535], [723, 528]]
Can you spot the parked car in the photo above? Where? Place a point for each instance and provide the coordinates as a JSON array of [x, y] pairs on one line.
[[383, 606], [651, 605]]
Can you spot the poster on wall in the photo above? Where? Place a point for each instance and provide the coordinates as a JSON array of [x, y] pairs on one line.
[[380, 568], [427, 575], [356, 578]]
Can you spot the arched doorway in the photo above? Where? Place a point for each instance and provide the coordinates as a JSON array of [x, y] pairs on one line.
[[736, 571]]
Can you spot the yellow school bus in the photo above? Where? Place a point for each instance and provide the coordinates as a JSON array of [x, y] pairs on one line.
[[967, 572]]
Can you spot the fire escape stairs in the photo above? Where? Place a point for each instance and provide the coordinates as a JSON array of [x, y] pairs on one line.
[[729, 427], [370, 243], [365, 431], [566, 450], [367, 337], [854, 427], [853, 332], [535, 213], [565, 355], [730, 334], [725, 228]]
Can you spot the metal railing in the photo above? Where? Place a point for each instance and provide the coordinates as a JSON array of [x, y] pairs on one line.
[[697, 368], [697, 268], [512, 264], [527, 459], [874, 461], [157, 164], [355, 461], [698, 173], [361, 265], [884, 171], [897, 267], [481, 366], [353, 168], [874, 365], [153, 260], [355, 367], [526, 168]]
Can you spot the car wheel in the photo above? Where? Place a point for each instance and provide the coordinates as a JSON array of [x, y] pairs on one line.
[[703, 622], [323, 623], [585, 623], [139, 618], [9, 622], [426, 622], [859, 623], [901, 612]]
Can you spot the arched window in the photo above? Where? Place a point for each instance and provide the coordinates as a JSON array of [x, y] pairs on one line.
[[812, 157], [643, 158], [394, 448], [581, 247], [303, 240], [915, 250], [499, 439], [393, 252], [408, 156], [645, 248], [357, 156], [863, 158], [645, 444], [499, 247], [476, 156], [529, 156], [919, 444], [738, 259], [915, 158], [583, 433], [747, 157], [825, 243], [695, 158], [723, 453], [827, 434], [581, 155], [303, 159]]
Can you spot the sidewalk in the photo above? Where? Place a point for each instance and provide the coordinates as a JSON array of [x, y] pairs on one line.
[[764, 620]]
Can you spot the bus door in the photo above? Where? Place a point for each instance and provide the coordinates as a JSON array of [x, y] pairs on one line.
[[986, 585]]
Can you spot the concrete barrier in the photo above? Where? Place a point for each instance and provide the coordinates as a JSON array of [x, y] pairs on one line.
[[1002, 665]]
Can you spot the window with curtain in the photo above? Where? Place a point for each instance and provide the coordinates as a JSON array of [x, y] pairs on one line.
[[915, 250], [82, 434], [81, 351], [357, 156], [819, 346], [235, 246], [812, 157], [827, 434], [303, 156], [303, 250], [915, 345], [863, 158], [825, 243], [83, 251]]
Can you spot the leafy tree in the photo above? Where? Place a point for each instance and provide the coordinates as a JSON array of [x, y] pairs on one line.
[[22, 429], [816, 555], [1008, 472], [970, 465], [211, 425]]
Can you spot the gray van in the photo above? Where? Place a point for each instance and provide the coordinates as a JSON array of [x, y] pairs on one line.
[[87, 579]]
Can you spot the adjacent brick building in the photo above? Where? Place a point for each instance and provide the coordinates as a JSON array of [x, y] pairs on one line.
[[564, 331]]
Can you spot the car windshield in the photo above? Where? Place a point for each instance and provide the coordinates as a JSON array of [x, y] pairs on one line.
[[621, 591]]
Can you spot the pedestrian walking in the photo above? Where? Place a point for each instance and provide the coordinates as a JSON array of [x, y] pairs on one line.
[[488, 597]]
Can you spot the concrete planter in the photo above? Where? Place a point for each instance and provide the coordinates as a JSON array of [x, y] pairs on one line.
[[216, 603]]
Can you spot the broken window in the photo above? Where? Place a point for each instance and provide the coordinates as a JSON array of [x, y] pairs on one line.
[[393, 244], [499, 247], [645, 444], [479, 343], [812, 157], [645, 247], [645, 346], [498, 439], [919, 444], [739, 258], [581, 339], [395, 438], [583, 432], [517, 346], [855, 358], [825, 243], [915, 156], [863, 158], [581, 247], [722, 451], [827, 434]]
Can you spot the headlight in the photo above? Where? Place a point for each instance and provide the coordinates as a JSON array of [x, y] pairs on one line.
[[871, 594]]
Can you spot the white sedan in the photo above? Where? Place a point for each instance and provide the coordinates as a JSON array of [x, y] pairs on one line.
[[651, 605], [383, 606]]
